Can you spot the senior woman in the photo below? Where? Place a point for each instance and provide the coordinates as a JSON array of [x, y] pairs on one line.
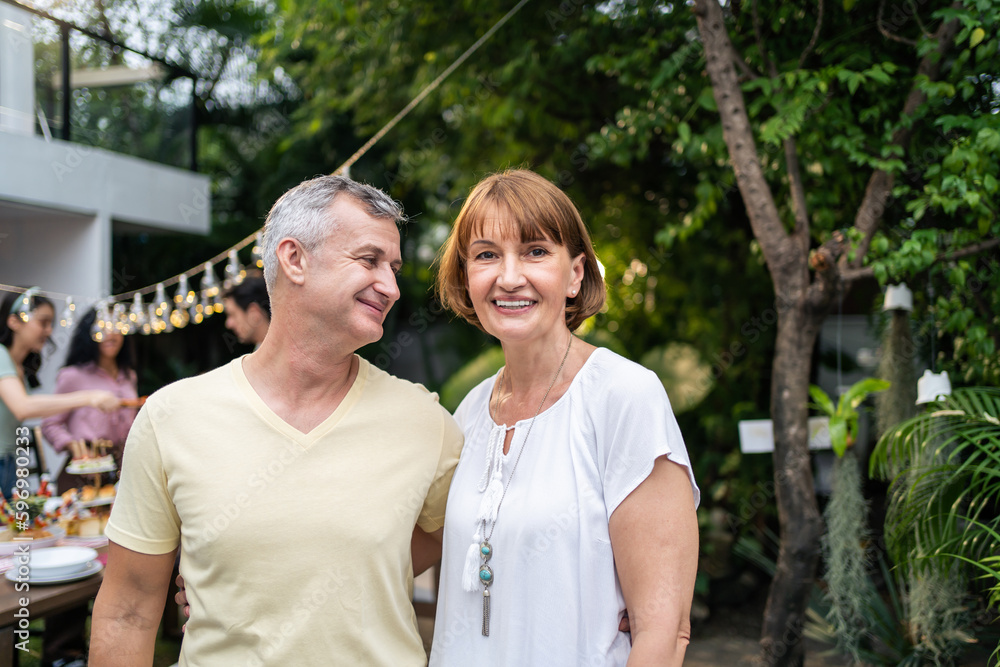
[[574, 498]]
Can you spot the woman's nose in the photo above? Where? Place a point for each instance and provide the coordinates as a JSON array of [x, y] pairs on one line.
[[511, 273]]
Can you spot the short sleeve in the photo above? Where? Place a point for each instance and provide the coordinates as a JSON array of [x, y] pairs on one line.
[[638, 427], [7, 368], [432, 513], [144, 518]]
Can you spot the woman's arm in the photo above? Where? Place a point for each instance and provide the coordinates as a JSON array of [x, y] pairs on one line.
[[27, 406], [654, 536]]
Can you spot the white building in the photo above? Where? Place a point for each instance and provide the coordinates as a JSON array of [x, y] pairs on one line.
[[61, 201]]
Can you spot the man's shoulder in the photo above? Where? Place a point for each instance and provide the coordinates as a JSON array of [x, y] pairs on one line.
[[383, 382], [192, 390]]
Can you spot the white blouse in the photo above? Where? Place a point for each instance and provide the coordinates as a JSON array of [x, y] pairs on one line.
[[555, 598]]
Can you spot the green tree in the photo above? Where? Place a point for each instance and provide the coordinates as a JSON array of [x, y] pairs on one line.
[[859, 104], [536, 95]]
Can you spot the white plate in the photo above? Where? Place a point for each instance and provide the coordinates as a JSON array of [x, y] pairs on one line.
[[11, 547], [93, 567], [96, 502], [60, 561], [73, 470]]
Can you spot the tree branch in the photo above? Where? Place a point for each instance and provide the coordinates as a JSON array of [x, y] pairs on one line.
[[873, 204], [744, 68], [974, 249], [916, 16], [886, 33], [812, 42], [798, 192], [738, 134], [829, 281], [769, 67]]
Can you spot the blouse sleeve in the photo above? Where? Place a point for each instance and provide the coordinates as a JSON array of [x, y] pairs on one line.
[[638, 427]]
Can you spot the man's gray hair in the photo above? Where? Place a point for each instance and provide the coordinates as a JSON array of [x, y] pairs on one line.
[[303, 213]]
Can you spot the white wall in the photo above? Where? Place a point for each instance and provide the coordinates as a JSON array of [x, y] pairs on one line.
[[17, 74], [76, 178]]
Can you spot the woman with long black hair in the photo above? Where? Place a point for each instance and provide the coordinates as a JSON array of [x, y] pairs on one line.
[[106, 365]]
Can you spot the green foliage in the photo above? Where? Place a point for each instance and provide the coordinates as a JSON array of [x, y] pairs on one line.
[[945, 470], [469, 376], [844, 416]]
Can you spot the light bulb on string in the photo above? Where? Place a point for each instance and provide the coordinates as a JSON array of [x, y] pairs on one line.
[[179, 317], [256, 253], [235, 273], [68, 314], [137, 313], [22, 306], [161, 301], [206, 307], [217, 303], [97, 328], [153, 320], [209, 285], [120, 320], [184, 296], [196, 313]]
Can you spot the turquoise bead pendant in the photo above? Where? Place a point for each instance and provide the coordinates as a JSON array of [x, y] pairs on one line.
[[486, 578]]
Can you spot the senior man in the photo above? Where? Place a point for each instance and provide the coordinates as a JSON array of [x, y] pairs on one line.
[[291, 479]]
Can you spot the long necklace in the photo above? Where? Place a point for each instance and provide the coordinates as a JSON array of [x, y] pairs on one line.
[[485, 547]]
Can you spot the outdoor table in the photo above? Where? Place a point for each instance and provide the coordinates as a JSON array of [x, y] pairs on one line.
[[43, 600]]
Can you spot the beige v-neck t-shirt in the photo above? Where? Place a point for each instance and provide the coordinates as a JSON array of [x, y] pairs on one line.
[[295, 547]]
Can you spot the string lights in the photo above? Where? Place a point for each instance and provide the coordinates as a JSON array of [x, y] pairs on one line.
[[159, 316]]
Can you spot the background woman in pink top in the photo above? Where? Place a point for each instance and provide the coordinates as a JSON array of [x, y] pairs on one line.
[[91, 365]]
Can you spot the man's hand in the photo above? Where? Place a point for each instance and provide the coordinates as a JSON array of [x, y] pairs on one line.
[[181, 598], [128, 607]]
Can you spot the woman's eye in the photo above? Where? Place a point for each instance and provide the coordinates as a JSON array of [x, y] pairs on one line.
[[538, 252], [485, 255]]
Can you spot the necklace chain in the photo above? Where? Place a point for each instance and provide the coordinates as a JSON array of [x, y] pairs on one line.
[[524, 442]]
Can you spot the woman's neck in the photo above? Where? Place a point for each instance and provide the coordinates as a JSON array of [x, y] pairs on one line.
[[109, 365], [18, 352], [534, 364]]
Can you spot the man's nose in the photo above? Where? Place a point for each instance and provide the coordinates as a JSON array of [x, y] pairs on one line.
[[387, 285]]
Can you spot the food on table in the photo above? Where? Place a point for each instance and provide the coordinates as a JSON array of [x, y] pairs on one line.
[[82, 466], [85, 522]]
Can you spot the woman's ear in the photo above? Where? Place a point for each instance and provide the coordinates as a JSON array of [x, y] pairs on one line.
[[292, 260], [576, 273], [14, 322]]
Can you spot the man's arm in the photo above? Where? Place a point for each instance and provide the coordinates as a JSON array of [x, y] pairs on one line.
[[128, 607], [654, 536], [425, 549]]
